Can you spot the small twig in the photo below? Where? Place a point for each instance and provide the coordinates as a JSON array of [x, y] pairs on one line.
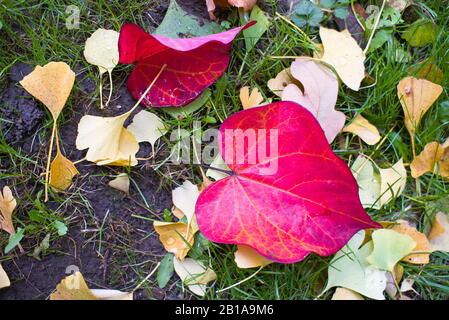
[[241, 281], [229, 172]]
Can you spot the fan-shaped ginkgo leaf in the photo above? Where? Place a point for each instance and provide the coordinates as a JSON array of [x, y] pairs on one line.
[[342, 52], [364, 129], [250, 100], [50, 84], [268, 204], [62, 171], [193, 64], [147, 126], [439, 234]]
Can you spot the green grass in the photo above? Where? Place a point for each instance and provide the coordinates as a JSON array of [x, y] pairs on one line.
[[43, 38]]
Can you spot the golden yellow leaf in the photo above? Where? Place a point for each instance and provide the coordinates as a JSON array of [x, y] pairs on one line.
[[121, 182], [185, 197], [7, 205], [416, 97], [420, 254], [439, 234], [176, 237], [364, 129], [51, 84], [346, 294], [343, 53], [282, 80], [62, 171], [107, 141], [246, 257], [4, 280], [426, 160], [177, 213], [250, 100], [74, 287]]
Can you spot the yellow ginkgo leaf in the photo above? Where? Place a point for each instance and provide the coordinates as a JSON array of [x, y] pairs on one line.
[[346, 294], [439, 234], [246, 257], [62, 171], [283, 79], [74, 287], [250, 100], [364, 129], [185, 197], [420, 254], [176, 237], [107, 141], [426, 160], [146, 126], [4, 280], [416, 97], [7, 205], [101, 50], [51, 84], [121, 182], [342, 52], [393, 181], [194, 274]]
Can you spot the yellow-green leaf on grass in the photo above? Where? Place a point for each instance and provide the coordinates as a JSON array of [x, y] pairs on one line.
[[390, 247], [349, 269]]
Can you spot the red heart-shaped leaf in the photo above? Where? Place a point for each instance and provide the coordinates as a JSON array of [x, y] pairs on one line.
[[298, 199], [193, 64]]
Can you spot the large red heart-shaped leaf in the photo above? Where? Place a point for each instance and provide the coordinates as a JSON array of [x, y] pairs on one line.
[[308, 203], [193, 64]]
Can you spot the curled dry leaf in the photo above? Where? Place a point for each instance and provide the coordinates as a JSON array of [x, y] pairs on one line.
[[349, 269], [147, 126], [107, 141], [62, 171], [246, 257], [250, 100], [346, 294], [121, 182], [4, 279], [342, 52], [420, 253], [432, 154], [439, 234], [176, 237], [319, 96], [185, 197], [74, 287], [364, 129], [194, 274], [193, 64], [390, 247], [272, 207], [7, 205], [101, 50], [416, 97], [245, 4]]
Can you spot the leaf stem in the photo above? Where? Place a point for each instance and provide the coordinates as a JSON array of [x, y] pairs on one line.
[[230, 172], [375, 27], [241, 281], [148, 89], [50, 149], [110, 88]]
